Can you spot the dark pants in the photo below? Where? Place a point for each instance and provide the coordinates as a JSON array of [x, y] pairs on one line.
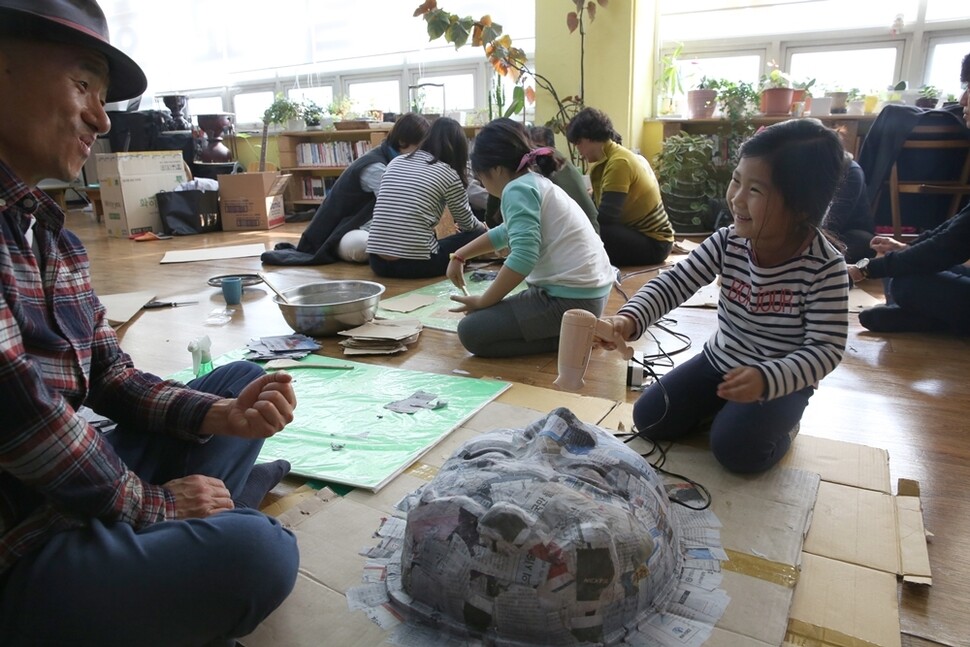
[[941, 299], [744, 437], [411, 268], [627, 246], [180, 583]]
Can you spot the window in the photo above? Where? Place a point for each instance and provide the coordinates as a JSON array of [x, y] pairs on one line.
[[204, 106], [458, 92], [867, 69], [384, 95], [746, 68], [943, 66], [250, 106], [717, 19], [937, 10], [321, 95]]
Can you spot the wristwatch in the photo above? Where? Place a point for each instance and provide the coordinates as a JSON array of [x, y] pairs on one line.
[[863, 266]]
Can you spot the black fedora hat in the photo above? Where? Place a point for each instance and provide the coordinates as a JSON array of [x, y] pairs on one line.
[[78, 22]]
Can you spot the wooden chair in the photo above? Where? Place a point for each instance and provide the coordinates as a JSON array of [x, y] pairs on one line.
[[950, 140]]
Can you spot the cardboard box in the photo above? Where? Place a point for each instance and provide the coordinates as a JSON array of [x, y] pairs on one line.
[[251, 200], [129, 182]]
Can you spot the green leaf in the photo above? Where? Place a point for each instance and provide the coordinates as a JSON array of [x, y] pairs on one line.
[[518, 102], [492, 32], [459, 31], [438, 22]]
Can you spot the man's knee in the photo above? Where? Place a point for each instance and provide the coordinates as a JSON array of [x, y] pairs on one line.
[[257, 562]]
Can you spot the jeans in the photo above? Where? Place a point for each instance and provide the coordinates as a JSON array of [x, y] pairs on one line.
[[174, 583], [745, 437]]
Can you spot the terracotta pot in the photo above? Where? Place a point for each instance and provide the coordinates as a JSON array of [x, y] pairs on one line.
[[776, 101], [701, 103]]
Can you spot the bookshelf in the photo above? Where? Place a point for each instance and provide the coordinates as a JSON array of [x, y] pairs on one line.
[[316, 158]]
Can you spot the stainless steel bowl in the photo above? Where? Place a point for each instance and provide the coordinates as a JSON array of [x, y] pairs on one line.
[[323, 309]]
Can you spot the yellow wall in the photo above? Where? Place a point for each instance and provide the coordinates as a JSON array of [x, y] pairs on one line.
[[247, 149], [619, 61]]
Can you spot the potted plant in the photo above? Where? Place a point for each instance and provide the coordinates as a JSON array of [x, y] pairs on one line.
[[776, 93], [839, 99], [929, 96], [669, 83], [855, 102], [702, 100], [951, 100], [312, 114], [736, 99], [687, 172], [279, 112]]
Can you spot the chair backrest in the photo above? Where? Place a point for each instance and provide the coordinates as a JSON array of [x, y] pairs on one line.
[[924, 160]]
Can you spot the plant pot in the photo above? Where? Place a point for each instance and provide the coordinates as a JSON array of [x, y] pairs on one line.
[[295, 124], [838, 102], [926, 102], [856, 107], [821, 106], [701, 103], [351, 124], [776, 101]]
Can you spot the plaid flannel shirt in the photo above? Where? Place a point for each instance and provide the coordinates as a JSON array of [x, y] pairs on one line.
[[58, 352]]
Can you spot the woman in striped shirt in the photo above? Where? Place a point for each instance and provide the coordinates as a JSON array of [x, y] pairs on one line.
[[782, 310], [414, 192]]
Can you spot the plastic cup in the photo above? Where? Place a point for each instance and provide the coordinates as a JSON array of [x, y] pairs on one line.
[[232, 290]]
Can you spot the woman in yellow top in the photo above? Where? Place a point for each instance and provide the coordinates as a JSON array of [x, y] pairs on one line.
[[633, 222]]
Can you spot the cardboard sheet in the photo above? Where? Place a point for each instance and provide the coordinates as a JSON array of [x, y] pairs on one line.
[[213, 253], [436, 313], [122, 307], [859, 300], [763, 519]]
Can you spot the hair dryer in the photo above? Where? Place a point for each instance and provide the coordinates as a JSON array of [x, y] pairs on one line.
[[576, 343]]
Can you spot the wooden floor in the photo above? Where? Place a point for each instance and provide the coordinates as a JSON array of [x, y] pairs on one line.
[[905, 392]]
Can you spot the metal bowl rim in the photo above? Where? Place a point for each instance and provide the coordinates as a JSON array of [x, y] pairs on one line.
[[276, 298]]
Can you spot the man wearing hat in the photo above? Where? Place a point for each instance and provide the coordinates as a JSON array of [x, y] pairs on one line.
[[143, 535]]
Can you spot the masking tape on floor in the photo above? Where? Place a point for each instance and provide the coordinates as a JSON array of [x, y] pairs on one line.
[[803, 634], [761, 568]]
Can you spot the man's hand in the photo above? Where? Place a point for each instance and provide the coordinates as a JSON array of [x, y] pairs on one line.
[[855, 274], [885, 244], [263, 408], [742, 384], [198, 496]]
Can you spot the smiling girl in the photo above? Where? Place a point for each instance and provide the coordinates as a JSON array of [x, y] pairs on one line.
[[782, 308]]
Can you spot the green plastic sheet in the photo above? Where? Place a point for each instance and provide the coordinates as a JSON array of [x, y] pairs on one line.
[[437, 315], [342, 433]]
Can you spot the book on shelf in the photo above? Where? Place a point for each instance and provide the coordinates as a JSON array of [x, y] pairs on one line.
[[315, 187], [330, 153]]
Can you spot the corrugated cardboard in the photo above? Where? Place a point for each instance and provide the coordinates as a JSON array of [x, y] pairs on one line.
[[129, 182], [251, 201]]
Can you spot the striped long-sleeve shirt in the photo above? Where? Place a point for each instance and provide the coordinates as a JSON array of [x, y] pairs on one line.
[[58, 352], [789, 321], [412, 198]]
